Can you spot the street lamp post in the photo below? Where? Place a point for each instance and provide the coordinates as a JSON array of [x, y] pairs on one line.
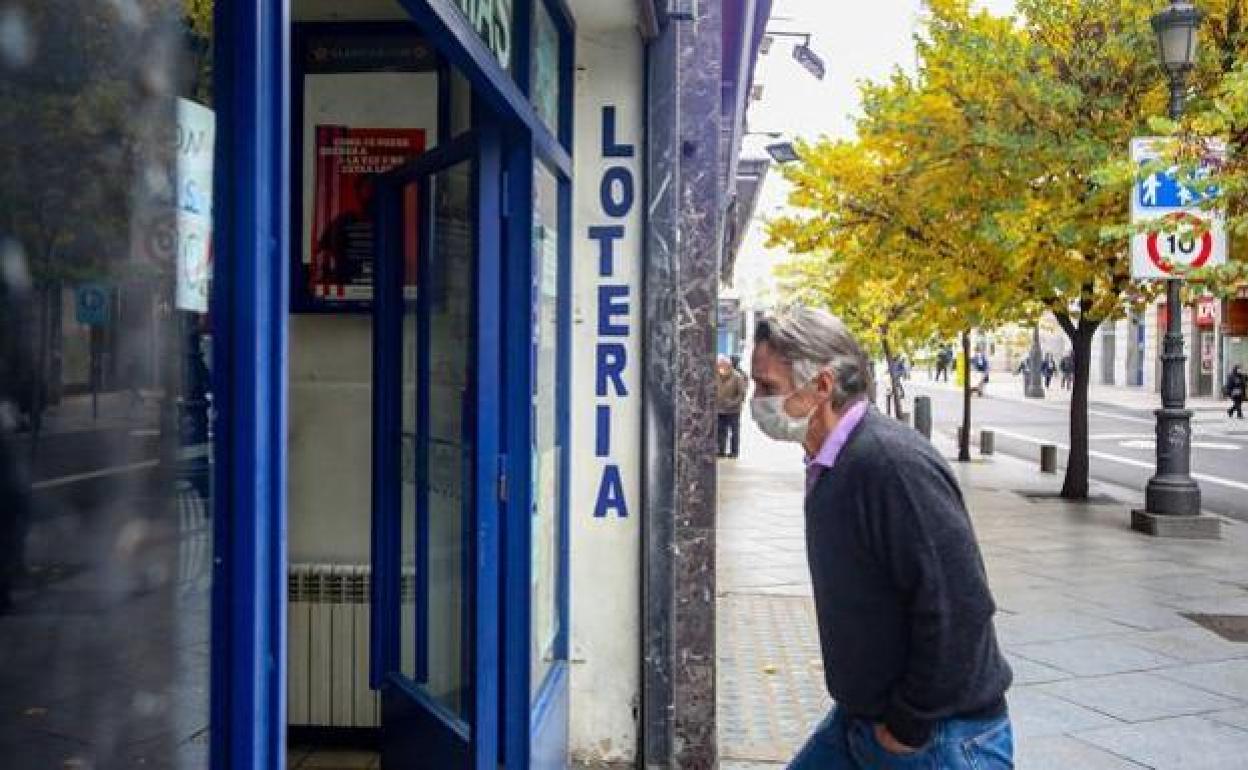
[[1172, 497]]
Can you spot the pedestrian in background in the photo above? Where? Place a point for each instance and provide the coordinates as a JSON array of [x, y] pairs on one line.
[[730, 392], [944, 357], [1048, 368], [901, 595], [1068, 371], [1236, 386], [979, 362]]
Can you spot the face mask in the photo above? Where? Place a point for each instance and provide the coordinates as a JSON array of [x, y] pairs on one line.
[[768, 412]]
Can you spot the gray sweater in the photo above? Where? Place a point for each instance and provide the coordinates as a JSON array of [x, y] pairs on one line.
[[904, 610]]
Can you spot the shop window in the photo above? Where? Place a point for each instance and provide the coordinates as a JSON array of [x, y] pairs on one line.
[[106, 402], [544, 77]]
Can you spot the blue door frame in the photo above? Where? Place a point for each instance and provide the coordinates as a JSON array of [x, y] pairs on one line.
[[251, 301], [250, 235]]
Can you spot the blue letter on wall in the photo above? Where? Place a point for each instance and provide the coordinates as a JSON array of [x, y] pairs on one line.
[[612, 303], [611, 494]]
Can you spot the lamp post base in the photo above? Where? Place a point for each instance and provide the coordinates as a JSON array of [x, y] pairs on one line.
[[1167, 525]]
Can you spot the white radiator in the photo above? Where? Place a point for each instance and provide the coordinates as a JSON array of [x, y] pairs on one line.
[[328, 651]]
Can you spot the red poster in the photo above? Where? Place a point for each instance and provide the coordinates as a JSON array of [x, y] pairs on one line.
[[347, 160]]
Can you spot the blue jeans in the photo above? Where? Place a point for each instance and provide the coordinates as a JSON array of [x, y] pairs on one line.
[[845, 743]]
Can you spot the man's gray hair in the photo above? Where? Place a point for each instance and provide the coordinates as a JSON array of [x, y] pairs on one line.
[[813, 340]]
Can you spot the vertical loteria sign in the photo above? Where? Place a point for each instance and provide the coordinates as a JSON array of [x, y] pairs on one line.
[[617, 196]]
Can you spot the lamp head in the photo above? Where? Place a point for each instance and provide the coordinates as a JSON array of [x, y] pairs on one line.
[[1177, 30]]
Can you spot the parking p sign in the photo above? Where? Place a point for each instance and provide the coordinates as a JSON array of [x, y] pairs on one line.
[[91, 304], [1191, 236]]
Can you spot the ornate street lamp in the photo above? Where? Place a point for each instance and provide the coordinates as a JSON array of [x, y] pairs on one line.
[[1172, 497], [1177, 28]]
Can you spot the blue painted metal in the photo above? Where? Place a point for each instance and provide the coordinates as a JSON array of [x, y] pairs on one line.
[[484, 599], [387, 435], [445, 741], [517, 562], [250, 299], [451, 33]]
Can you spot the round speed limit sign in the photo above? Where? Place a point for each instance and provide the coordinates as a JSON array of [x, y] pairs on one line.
[[1184, 247]]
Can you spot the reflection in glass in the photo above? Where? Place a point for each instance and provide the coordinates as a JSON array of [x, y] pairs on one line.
[[545, 67], [448, 447], [105, 395], [545, 398]]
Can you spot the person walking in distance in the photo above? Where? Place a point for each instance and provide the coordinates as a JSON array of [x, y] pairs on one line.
[[901, 594], [730, 392], [1068, 371], [1236, 388], [1047, 368]]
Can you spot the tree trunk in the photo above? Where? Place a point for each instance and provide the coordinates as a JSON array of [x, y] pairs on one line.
[[1075, 486], [964, 440], [894, 401]]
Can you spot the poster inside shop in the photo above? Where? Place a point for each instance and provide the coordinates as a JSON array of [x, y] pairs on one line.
[[348, 160], [352, 129]]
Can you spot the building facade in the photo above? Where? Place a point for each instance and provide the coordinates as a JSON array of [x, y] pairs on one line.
[[355, 379]]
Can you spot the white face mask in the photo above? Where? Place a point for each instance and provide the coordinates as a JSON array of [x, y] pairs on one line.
[[768, 412]]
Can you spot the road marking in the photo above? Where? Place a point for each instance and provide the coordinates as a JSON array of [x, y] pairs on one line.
[[115, 470], [1151, 443], [1120, 460]]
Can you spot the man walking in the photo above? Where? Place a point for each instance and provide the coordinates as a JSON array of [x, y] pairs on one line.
[[901, 595], [730, 390], [1068, 371], [1236, 386]]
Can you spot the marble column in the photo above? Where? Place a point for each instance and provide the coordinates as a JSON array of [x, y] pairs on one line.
[[681, 290]]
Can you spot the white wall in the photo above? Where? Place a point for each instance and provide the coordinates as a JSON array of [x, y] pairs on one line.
[[605, 550]]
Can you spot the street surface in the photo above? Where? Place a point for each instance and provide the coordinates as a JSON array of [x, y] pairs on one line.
[[1121, 438]]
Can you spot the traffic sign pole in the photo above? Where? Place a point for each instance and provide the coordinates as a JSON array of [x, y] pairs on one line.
[[1172, 497]]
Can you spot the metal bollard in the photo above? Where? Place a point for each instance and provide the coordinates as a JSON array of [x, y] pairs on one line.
[[987, 442], [1048, 458], [923, 415]]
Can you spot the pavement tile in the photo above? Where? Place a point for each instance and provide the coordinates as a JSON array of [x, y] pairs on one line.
[[1194, 587], [1137, 697], [1192, 645], [1093, 657], [1060, 752], [1229, 678], [1235, 718], [1052, 626], [1035, 713], [1182, 743], [1030, 672]]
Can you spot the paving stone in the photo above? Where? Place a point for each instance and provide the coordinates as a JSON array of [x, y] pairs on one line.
[[1192, 645], [1030, 672], [1229, 678], [1036, 713], [1093, 657], [1060, 752], [1183, 743], [1053, 626], [1137, 697], [1235, 718]]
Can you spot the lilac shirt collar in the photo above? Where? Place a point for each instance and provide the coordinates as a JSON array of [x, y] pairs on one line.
[[834, 443]]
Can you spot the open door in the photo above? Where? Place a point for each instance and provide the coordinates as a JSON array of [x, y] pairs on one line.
[[436, 462]]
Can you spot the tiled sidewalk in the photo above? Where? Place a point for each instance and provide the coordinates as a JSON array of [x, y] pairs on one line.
[[1109, 673]]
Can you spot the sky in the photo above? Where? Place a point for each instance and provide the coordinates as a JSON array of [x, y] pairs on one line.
[[858, 41]]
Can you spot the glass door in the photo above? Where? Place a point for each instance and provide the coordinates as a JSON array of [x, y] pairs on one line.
[[436, 489]]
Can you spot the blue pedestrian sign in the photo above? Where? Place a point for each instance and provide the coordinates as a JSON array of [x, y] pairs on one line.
[[91, 304], [1162, 190]]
